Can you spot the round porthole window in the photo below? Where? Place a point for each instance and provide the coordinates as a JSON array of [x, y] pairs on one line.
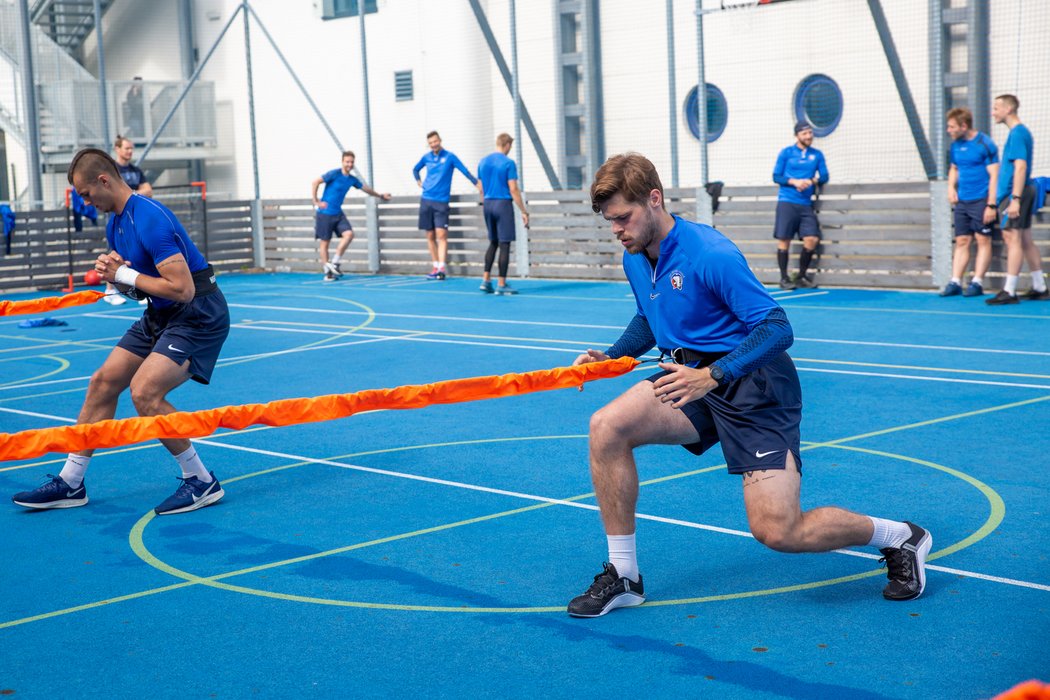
[[717, 113], [818, 101]]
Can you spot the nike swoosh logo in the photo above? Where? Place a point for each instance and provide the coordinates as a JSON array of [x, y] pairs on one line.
[[760, 455], [211, 487], [71, 494], [653, 296], [175, 349]]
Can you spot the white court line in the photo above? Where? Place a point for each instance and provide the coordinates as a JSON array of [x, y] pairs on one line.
[[38, 415], [951, 348], [921, 378], [51, 381], [583, 506]]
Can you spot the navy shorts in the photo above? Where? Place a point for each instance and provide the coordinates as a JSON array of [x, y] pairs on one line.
[[193, 331], [756, 418], [327, 224], [795, 220], [1025, 219], [432, 215], [499, 219], [968, 218]]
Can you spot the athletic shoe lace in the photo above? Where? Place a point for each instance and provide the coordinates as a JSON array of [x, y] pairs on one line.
[[603, 582], [898, 564]]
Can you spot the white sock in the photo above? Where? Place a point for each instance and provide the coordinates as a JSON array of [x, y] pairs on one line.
[[1038, 281], [956, 280], [440, 265], [977, 280], [335, 258], [192, 466], [75, 468], [1010, 286], [623, 556], [888, 533]]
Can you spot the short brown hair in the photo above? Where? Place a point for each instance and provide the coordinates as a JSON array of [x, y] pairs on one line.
[[961, 115], [120, 141], [433, 133], [92, 162], [630, 174], [504, 139], [1010, 100], [349, 153]]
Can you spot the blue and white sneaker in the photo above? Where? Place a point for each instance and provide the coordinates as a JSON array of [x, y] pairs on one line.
[[974, 289], [54, 494], [191, 495], [952, 289]]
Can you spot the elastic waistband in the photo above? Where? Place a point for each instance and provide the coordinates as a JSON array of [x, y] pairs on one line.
[[684, 356], [204, 282]]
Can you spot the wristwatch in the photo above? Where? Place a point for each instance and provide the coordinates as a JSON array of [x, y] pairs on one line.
[[990, 206], [716, 373]]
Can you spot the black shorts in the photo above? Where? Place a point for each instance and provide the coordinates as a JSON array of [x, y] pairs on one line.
[[795, 220], [327, 224], [193, 331], [499, 219], [1025, 219], [433, 215], [968, 218], [756, 418]]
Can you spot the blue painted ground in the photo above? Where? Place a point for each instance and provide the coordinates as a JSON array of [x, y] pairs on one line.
[[431, 552]]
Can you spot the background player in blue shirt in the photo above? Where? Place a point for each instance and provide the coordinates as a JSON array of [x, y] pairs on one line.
[[799, 169], [731, 382], [329, 217], [1015, 197], [499, 185], [433, 205], [123, 150], [178, 337], [974, 164]]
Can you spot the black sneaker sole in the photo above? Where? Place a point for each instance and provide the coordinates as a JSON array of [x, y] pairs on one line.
[[922, 548]]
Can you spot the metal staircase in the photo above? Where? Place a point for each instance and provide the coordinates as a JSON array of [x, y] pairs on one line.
[[66, 22], [965, 51]]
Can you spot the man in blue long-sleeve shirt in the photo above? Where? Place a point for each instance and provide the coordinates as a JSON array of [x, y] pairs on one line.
[[731, 381], [433, 205], [799, 170]]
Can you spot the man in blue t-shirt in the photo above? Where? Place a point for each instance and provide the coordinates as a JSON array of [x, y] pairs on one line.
[[800, 169], [729, 380], [433, 205], [329, 217], [1015, 198], [177, 338], [499, 186], [123, 149], [974, 164]]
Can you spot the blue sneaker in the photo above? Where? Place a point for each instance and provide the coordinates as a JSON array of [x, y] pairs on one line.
[[436, 275], [974, 289], [191, 495], [951, 289], [54, 494], [505, 290], [486, 287]]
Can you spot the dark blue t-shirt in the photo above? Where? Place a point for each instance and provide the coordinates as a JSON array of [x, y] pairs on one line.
[[701, 295], [132, 175], [972, 158], [145, 233], [336, 185], [793, 162], [495, 170], [1019, 146], [438, 184]]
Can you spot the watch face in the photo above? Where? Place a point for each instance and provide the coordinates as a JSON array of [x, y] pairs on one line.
[[717, 373]]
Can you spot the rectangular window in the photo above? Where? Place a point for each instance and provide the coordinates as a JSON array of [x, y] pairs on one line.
[[403, 86], [334, 9]]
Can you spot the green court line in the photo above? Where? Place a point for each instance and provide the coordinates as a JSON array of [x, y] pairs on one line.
[[63, 365]]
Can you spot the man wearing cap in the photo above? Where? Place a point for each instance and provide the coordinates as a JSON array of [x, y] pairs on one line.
[[799, 169]]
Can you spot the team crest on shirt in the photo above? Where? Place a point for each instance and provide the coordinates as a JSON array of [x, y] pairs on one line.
[[677, 278]]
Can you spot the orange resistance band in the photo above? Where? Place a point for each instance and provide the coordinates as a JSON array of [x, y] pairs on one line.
[[36, 306], [1029, 690], [189, 424]]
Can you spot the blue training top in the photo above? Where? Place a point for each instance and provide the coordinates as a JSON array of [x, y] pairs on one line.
[[793, 162], [971, 157], [132, 175], [495, 170], [336, 185], [145, 233], [438, 184], [701, 295], [1019, 146]]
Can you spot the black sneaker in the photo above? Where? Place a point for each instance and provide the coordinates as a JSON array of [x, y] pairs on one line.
[[1003, 297], [608, 592], [804, 282], [906, 566], [1032, 295], [786, 283]]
